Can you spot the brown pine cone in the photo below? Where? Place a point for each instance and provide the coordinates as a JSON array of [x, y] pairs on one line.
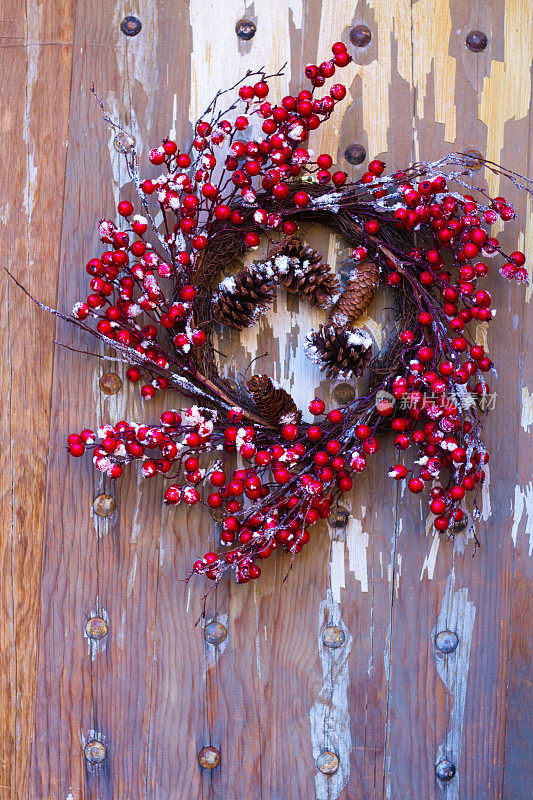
[[274, 403], [340, 351], [301, 270], [241, 299], [357, 294]]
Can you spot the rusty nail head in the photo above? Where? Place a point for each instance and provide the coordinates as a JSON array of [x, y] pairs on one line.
[[130, 26], [360, 35], [96, 628], [446, 641], [245, 29], [344, 393], [333, 636], [327, 762], [104, 505], [215, 632], [445, 770], [110, 383], [209, 757], [476, 159], [476, 41], [95, 751], [355, 154], [339, 517], [124, 142]]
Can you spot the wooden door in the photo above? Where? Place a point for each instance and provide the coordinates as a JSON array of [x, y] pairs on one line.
[[272, 696]]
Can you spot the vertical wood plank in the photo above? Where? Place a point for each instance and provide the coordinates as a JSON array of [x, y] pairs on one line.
[[36, 45]]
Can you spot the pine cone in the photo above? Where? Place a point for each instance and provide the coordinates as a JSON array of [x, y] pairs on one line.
[[357, 294], [301, 270], [241, 298], [340, 351], [275, 404]]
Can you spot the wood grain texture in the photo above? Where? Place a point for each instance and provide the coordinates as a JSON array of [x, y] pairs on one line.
[[271, 696]]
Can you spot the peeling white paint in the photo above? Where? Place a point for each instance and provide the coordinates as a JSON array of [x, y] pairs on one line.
[[486, 508], [526, 416], [357, 543], [523, 502], [337, 573], [329, 715], [431, 558], [457, 613], [215, 49]]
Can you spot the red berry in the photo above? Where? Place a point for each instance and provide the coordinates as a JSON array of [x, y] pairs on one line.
[[372, 226], [125, 208], [317, 406], [314, 433], [362, 432], [289, 432], [376, 167], [416, 485], [335, 416]]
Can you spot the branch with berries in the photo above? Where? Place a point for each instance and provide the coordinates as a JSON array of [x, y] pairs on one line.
[[158, 289]]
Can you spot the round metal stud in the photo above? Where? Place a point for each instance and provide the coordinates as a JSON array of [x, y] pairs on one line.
[[360, 35], [104, 505], [215, 632], [96, 628], [446, 641], [344, 393], [327, 762], [124, 142], [95, 751], [333, 636], [245, 29], [130, 26], [460, 525], [445, 770], [209, 757], [110, 383], [355, 154], [475, 159], [476, 41], [339, 517]]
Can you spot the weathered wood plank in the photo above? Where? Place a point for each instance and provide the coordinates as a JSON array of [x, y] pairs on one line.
[[35, 45]]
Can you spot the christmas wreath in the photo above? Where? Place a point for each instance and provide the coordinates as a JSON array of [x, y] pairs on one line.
[[167, 277]]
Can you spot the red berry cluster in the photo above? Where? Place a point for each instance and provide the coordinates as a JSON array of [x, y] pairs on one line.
[[428, 241]]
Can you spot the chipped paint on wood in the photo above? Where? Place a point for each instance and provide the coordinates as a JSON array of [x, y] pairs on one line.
[[329, 715], [357, 543], [434, 18], [457, 614], [214, 39], [337, 573], [506, 93], [486, 507], [526, 415], [523, 504], [430, 559]]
